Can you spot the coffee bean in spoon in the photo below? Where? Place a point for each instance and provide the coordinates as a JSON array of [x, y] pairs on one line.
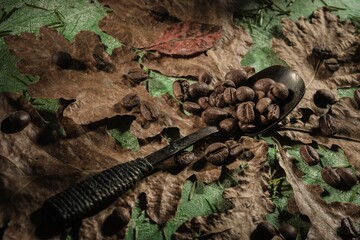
[[237, 76]]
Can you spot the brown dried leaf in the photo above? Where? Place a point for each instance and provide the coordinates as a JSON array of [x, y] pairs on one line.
[[30, 173], [132, 24], [97, 93], [250, 203], [325, 217]]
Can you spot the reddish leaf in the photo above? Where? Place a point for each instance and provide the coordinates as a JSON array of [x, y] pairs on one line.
[[187, 38]]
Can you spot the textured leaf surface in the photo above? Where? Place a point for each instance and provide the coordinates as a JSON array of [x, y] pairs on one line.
[[186, 38], [133, 25]]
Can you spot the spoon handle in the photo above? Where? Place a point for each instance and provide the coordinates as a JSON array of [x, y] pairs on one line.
[[98, 191]]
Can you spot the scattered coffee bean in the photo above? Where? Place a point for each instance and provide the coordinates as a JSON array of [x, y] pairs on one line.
[[118, 219], [244, 94], [229, 125], [137, 75], [149, 111], [264, 230], [130, 101], [181, 90], [327, 125], [216, 153], [323, 97], [288, 231], [213, 115], [230, 95], [322, 53], [62, 59], [263, 104], [204, 102], [236, 149], [238, 76], [309, 155], [185, 158], [331, 177], [357, 97], [205, 77], [331, 64], [279, 91], [247, 155], [273, 112], [349, 229], [348, 178], [15, 122], [159, 13], [192, 107], [263, 84], [245, 112], [198, 90]]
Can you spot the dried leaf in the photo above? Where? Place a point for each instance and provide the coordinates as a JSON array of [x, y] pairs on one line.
[[132, 24], [30, 173], [325, 217], [97, 93], [186, 38], [250, 203]]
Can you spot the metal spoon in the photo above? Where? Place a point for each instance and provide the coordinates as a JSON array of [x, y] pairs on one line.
[[98, 191]]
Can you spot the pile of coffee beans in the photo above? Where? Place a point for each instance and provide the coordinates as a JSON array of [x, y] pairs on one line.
[[266, 231], [232, 104]]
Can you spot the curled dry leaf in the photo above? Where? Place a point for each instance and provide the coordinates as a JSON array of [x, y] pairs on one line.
[[30, 173], [250, 203], [97, 93], [325, 217], [133, 24], [307, 48]]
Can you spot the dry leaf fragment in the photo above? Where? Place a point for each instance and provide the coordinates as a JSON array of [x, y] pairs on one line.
[[325, 217], [133, 24]]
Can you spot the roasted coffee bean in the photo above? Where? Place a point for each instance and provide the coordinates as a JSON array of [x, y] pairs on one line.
[[263, 120], [259, 95], [327, 125], [288, 231], [309, 155], [229, 124], [273, 112], [230, 95], [231, 110], [220, 101], [357, 97], [117, 220], [262, 105], [149, 111], [349, 229], [236, 149], [62, 59], [130, 100], [185, 158], [323, 97], [244, 94], [221, 86], [264, 231], [322, 53], [205, 77], [198, 90], [213, 115], [331, 177], [159, 13], [263, 84], [245, 112], [181, 90], [204, 102], [137, 75], [15, 122], [192, 107], [102, 64], [49, 134], [279, 91], [348, 178], [216, 153], [331, 64], [244, 127], [237, 76]]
